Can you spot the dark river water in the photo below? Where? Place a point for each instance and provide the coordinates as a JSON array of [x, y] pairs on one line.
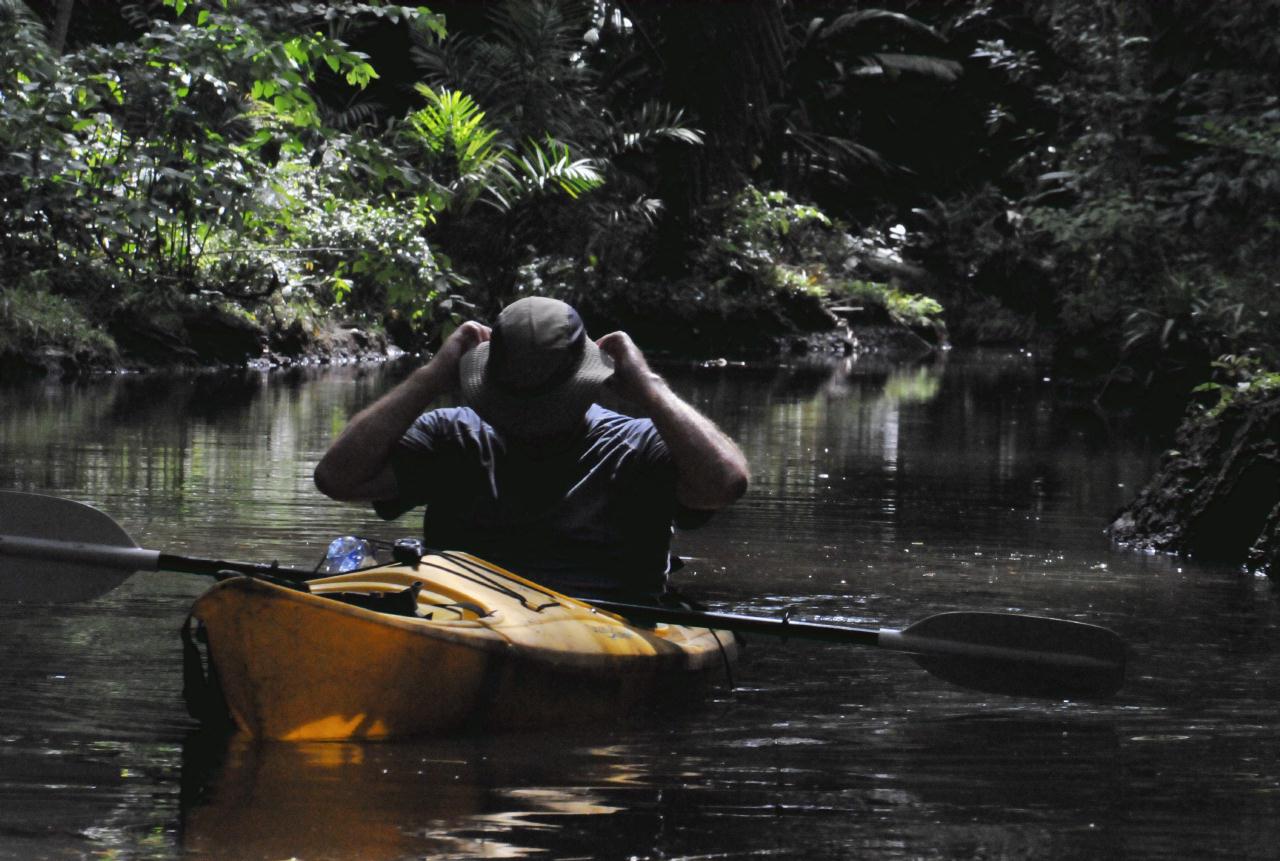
[[881, 495]]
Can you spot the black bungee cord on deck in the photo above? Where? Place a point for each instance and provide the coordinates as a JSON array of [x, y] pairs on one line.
[[479, 574]]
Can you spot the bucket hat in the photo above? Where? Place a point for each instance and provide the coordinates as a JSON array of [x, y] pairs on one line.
[[538, 373]]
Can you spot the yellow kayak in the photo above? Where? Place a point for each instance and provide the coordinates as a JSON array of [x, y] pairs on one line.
[[451, 643]]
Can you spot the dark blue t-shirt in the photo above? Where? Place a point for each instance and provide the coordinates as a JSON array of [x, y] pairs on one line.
[[593, 518]]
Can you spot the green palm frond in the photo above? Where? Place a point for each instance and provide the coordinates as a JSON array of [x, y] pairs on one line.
[[447, 64], [855, 23], [541, 170], [554, 166], [452, 129], [645, 210], [654, 121], [351, 117], [811, 154], [526, 70], [18, 20], [863, 35], [547, 33]]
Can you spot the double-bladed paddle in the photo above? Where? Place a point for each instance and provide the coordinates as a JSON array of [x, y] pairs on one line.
[[1003, 653], [40, 563], [995, 652]]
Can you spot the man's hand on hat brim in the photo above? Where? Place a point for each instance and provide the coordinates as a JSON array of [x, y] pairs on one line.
[[711, 471], [632, 378], [466, 337]]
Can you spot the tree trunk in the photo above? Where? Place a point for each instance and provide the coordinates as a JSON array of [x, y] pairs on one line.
[[60, 26]]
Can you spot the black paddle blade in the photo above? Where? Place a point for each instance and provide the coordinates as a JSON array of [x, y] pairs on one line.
[[1019, 655], [30, 578]]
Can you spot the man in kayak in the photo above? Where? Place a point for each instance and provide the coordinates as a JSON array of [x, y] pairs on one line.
[[532, 473]]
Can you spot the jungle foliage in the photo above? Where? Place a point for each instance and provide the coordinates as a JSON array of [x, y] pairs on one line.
[[193, 167], [1123, 196], [1104, 175]]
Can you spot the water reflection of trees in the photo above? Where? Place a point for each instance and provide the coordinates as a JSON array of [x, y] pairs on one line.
[[902, 451], [191, 452], [909, 452], [814, 425]]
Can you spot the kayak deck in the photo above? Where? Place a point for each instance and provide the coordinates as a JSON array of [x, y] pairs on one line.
[[482, 648]]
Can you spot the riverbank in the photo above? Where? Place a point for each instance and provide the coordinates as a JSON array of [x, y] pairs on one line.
[[1216, 494], [52, 336]]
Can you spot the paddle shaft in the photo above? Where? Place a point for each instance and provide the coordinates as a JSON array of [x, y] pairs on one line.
[[743, 624], [135, 558], [902, 640], [141, 559]]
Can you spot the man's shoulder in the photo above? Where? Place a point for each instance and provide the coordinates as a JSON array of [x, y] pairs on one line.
[[450, 417], [609, 430], [448, 424], [606, 421]]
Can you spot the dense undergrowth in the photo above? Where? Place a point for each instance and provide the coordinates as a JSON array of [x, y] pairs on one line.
[[207, 179], [1124, 204]]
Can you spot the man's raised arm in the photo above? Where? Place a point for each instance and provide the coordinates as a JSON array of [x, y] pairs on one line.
[[357, 466], [711, 470]]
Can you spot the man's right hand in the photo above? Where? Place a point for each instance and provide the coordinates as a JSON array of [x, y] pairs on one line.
[[357, 466], [466, 337]]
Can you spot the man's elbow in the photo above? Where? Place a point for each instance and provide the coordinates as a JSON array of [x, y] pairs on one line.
[[736, 483], [328, 480], [336, 481], [712, 494]]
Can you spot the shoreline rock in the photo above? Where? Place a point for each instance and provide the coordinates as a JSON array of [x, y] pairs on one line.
[[1216, 495]]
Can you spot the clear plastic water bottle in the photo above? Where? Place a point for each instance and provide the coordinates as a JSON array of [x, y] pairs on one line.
[[345, 554]]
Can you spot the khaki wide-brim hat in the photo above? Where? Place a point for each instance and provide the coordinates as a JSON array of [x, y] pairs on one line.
[[538, 373]]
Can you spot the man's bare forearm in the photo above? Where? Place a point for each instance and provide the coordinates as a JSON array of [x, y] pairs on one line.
[[712, 471], [357, 466]]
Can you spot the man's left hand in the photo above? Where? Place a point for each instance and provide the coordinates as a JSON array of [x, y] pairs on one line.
[[632, 377]]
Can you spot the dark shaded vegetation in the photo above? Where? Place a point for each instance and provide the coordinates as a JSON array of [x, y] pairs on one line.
[[188, 181], [1217, 494], [196, 181], [1128, 207]]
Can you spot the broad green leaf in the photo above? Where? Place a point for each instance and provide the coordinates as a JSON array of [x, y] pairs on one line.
[[296, 52], [258, 138]]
